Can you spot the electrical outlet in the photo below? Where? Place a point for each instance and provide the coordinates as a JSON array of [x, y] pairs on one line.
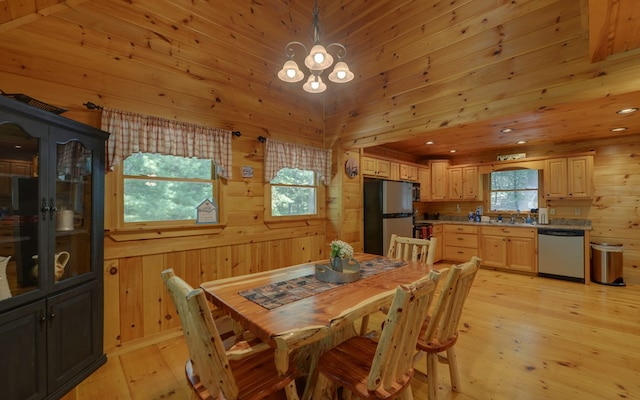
[[457, 207], [577, 211], [552, 211]]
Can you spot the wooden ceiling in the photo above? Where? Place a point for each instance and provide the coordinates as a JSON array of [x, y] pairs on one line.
[[555, 71]]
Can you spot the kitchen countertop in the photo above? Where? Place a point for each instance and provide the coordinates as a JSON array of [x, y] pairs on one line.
[[583, 225]]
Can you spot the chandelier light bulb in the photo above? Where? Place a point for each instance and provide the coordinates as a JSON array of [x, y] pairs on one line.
[[341, 73], [314, 84]]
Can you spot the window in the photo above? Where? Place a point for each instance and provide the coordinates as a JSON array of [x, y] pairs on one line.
[[165, 188], [294, 192], [514, 190]]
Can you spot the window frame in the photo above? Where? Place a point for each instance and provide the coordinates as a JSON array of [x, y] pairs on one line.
[[119, 230], [320, 207], [539, 190]]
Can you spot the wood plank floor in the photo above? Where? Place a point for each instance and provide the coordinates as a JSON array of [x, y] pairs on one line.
[[522, 337]]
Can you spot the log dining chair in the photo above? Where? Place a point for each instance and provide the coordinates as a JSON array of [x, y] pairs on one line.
[[244, 372], [439, 332], [412, 249], [370, 369], [406, 249]]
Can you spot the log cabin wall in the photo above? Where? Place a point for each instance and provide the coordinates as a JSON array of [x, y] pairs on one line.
[[421, 66]]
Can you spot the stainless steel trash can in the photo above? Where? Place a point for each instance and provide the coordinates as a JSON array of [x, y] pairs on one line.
[[606, 264]]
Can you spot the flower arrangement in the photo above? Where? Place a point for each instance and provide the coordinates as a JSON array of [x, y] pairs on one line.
[[341, 249]]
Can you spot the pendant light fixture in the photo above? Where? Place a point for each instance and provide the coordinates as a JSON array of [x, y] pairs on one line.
[[316, 61]]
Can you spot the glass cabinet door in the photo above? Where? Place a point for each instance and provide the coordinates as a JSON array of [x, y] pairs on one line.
[[72, 255], [19, 211]]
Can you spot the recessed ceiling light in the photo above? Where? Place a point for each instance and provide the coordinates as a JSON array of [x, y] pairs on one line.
[[627, 110], [620, 129], [18, 146], [521, 142], [506, 130], [429, 142], [452, 151]]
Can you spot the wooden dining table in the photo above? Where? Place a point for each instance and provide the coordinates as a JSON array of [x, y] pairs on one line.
[[302, 330]]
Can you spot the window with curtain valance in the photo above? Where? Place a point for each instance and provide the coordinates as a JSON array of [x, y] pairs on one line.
[[279, 155], [132, 133]]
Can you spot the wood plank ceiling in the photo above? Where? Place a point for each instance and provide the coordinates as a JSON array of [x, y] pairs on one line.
[[425, 70]]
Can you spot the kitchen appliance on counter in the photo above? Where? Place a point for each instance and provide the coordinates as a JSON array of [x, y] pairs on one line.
[[388, 209], [561, 254]]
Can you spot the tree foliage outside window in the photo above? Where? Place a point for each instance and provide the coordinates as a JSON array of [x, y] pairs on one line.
[[293, 192], [514, 190], [165, 188]]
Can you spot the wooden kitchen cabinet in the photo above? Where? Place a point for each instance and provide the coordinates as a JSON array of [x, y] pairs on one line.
[[376, 167], [424, 177], [460, 242], [454, 183], [470, 184], [394, 171], [509, 247], [437, 233], [408, 172], [568, 177], [51, 323], [439, 175], [579, 176]]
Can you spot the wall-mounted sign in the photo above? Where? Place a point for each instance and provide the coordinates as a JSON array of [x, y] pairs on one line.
[[247, 172], [507, 157], [207, 212]]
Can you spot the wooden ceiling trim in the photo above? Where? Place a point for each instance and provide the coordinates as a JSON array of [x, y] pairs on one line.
[[614, 27], [30, 11]]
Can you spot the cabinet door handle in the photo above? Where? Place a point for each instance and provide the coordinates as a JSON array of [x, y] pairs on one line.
[[44, 209], [52, 209], [52, 316], [42, 321]]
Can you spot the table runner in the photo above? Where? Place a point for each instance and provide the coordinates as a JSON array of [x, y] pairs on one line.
[[285, 292]]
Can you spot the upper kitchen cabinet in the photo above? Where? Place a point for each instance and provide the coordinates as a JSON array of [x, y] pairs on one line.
[[471, 184], [568, 177], [454, 183], [51, 251], [424, 177], [439, 177], [376, 167], [408, 172]]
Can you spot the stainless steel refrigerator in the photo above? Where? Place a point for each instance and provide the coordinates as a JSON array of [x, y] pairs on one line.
[[388, 209]]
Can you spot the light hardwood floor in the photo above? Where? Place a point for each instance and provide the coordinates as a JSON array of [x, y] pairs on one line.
[[522, 337]]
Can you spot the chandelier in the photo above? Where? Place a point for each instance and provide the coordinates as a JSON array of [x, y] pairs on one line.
[[316, 61]]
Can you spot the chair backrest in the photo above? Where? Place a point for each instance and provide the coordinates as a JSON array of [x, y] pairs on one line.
[[393, 362], [412, 249], [443, 323], [206, 349]]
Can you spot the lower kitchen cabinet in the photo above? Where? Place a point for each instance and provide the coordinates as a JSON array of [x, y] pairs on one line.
[[460, 242], [437, 234], [509, 247]]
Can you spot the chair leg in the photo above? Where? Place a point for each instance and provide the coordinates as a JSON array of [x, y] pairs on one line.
[[364, 325], [291, 391], [432, 376], [324, 388], [454, 373]]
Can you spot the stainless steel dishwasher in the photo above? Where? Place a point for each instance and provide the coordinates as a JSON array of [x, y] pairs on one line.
[[561, 254]]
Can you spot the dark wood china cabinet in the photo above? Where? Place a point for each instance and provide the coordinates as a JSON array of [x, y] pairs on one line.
[[51, 251]]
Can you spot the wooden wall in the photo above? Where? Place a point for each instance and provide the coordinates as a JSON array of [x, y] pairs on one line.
[[135, 302]]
